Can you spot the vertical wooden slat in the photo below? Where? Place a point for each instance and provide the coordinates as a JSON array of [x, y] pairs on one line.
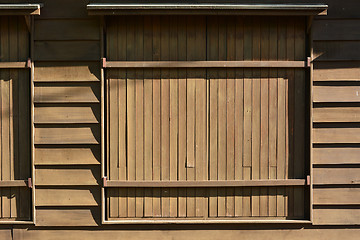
[[182, 104], [156, 117], [247, 156], [148, 116], [256, 114], [165, 116], [264, 132], [239, 114], [212, 45]]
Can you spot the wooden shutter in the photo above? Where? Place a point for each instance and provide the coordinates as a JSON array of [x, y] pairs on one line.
[[15, 160], [199, 125]]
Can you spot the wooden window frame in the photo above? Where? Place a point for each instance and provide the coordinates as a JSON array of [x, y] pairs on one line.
[[28, 11], [267, 10]]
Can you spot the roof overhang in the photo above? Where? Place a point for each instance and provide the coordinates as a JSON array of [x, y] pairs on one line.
[[20, 9], [206, 9]]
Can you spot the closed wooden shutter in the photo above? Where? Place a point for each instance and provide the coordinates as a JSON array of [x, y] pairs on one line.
[[15, 160], [234, 125]]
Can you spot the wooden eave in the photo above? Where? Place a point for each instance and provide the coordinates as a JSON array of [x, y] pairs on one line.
[[20, 9], [206, 9]]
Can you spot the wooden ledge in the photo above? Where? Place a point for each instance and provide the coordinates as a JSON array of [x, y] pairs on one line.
[[14, 183], [206, 9], [20, 9], [4, 65], [209, 183]]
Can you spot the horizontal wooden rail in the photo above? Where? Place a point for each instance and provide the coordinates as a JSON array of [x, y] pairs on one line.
[[4, 65], [15, 183], [204, 64], [210, 183]]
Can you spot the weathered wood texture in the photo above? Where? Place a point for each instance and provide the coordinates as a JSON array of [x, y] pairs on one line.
[[335, 112], [15, 159], [204, 124]]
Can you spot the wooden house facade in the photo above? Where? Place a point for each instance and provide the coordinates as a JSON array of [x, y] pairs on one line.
[[179, 119]]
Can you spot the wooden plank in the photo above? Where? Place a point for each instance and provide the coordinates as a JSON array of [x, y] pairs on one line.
[[336, 93], [60, 9], [66, 50], [337, 196], [343, 216], [338, 176], [336, 114], [210, 183], [341, 29], [67, 71], [66, 114], [67, 94], [337, 71], [69, 135], [6, 65], [67, 217], [67, 155], [65, 176], [66, 29], [62, 197], [336, 155], [205, 64], [336, 50], [13, 183], [336, 135]]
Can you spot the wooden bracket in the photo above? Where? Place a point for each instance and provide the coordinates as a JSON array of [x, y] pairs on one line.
[[103, 62], [28, 22], [308, 180], [104, 181], [29, 183]]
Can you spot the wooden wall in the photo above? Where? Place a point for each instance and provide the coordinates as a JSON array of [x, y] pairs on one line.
[[67, 120]]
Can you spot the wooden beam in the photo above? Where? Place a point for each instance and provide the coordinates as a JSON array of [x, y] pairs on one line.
[[227, 183], [13, 183], [204, 64], [20, 9], [14, 65]]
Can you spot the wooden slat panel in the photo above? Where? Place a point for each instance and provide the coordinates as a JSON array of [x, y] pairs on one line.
[[66, 29], [345, 216], [337, 196], [336, 94], [67, 217], [67, 71], [336, 155], [67, 94], [336, 176], [337, 71], [66, 176], [336, 50], [66, 50], [62, 135], [336, 114], [67, 155], [344, 29], [67, 114], [60, 9], [336, 135], [68, 197]]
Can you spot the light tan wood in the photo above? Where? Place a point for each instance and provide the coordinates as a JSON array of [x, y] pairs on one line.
[[336, 155], [337, 196], [67, 94], [67, 71], [336, 114], [63, 135], [336, 71], [67, 156], [67, 217], [338, 176], [343, 216], [336, 135], [82, 197], [336, 93], [67, 176], [67, 114]]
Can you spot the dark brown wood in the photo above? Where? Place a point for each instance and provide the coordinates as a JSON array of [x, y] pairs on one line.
[[206, 64], [210, 183], [20, 9]]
